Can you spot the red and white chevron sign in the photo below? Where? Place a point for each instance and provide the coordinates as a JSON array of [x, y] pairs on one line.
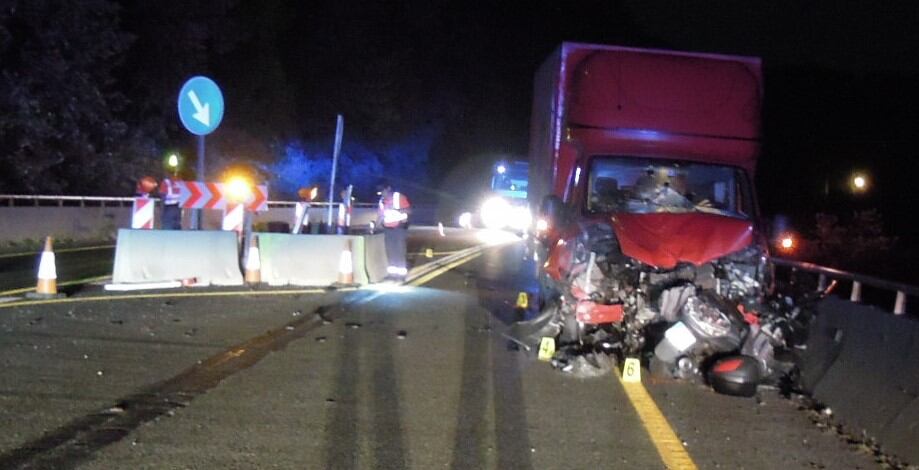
[[201, 195]]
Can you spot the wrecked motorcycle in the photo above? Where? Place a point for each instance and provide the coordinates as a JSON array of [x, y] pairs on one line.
[[705, 322]]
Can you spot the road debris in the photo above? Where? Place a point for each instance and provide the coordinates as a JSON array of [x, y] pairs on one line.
[[708, 323], [322, 314]]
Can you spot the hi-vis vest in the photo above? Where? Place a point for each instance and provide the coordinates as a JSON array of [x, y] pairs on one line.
[[392, 210], [169, 191]]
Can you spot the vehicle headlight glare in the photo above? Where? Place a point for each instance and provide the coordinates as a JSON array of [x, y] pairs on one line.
[[520, 218], [465, 220], [496, 213]]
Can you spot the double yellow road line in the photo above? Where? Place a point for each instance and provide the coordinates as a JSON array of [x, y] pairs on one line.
[[86, 280], [424, 278], [37, 251]]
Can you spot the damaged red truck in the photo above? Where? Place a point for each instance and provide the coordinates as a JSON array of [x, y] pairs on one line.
[[641, 170]]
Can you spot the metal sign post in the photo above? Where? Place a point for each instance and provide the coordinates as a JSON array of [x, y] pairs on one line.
[[200, 106], [196, 213], [339, 130]]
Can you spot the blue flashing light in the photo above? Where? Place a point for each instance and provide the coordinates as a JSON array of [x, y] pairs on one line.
[[502, 169]]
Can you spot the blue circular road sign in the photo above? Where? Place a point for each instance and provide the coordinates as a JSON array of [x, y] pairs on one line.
[[200, 105]]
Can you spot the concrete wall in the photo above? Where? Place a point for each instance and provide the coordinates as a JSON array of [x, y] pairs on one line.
[[18, 224], [864, 364]]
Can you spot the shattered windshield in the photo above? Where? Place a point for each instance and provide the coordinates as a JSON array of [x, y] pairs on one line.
[[644, 185]]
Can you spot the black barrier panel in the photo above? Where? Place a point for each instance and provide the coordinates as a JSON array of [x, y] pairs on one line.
[[863, 363]]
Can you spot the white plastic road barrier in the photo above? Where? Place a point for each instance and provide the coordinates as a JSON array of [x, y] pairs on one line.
[[317, 260], [142, 213], [233, 217], [208, 256]]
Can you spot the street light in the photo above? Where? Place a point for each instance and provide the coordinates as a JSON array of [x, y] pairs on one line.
[[173, 162], [859, 183], [239, 190]]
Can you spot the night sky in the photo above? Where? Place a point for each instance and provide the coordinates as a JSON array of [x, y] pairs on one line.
[[841, 80], [455, 80]]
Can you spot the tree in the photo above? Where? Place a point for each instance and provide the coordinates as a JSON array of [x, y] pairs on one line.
[[856, 244], [59, 125]]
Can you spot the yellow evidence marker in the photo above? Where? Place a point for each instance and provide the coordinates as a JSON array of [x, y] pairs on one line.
[[631, 371], [428, 253], [546, 348], [522, 301]]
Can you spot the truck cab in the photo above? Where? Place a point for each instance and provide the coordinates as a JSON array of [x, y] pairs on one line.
[[641, 173], [505, 207], [662, 137]]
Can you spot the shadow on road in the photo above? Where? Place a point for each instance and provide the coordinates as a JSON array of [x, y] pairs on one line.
[[496, 282]]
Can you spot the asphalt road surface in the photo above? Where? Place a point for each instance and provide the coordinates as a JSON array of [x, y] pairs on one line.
[[413, 376], [18, 271]]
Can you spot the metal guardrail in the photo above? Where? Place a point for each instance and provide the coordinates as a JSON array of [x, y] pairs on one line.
[[12, 199], [824, 273], [82, 201], [317, 204]]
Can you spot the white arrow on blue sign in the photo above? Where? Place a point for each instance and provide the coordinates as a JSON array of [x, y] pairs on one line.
[[200, 105]]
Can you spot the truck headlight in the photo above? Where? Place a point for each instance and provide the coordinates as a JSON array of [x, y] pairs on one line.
[[496, 213], [706, 318]]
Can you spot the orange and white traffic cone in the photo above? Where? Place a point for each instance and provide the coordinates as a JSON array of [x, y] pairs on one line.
[[47, 272], [346, 266], [253, 262]]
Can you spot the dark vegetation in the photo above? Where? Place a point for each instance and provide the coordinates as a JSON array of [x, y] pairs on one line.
[[433, 92]]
